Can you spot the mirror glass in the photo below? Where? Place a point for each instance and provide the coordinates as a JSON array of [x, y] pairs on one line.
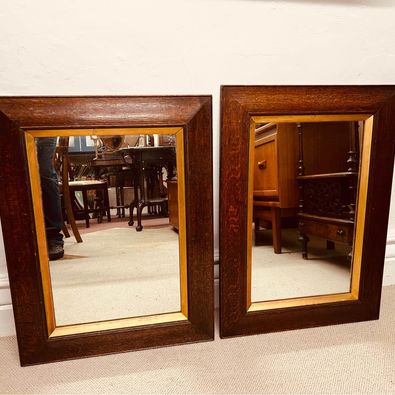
[[303, 194], [123, 193]]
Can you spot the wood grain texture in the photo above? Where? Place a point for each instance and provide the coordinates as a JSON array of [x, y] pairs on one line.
[[193, 114], [238, 104]]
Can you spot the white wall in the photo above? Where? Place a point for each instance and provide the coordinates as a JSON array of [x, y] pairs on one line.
[[133, 47]]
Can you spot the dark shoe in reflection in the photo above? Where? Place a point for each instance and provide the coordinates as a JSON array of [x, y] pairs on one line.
[[55, 251]]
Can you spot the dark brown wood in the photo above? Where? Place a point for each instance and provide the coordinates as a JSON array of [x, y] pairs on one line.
[[62, 165], [329, 153], [238, 104], [193, 114]]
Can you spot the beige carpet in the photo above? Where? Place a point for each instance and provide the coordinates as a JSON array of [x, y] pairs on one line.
[[353, 358], [288, 275], [117, 273]]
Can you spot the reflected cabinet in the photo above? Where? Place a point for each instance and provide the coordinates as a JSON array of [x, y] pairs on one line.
[[107, 213], [305, 189]]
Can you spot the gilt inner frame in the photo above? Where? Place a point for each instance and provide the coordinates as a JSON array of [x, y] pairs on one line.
[[52, 328], [353, 294]]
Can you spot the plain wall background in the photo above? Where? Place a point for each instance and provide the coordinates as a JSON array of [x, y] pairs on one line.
[[130, 47]]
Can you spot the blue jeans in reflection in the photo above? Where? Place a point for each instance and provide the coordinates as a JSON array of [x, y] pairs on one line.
[[46, 147]]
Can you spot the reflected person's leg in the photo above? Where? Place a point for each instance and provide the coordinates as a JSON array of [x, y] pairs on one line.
[[51, 197]]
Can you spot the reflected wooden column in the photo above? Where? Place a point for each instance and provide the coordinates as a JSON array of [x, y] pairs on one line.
[[303, 238]]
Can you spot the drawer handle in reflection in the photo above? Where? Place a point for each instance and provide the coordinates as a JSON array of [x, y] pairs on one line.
[[340, 232], [262, 165]]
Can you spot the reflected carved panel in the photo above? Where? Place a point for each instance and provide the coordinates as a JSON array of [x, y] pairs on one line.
[[326, 198]]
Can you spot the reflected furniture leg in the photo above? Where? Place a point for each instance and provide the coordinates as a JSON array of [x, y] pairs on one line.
[[65, 231], [140, 208], [107, 204], [270, 217], [118, 202], [304, 240], [85, 202], [135, 199], [330, 245], [276, 226], [131, 210], [122, 200], [69, 212]]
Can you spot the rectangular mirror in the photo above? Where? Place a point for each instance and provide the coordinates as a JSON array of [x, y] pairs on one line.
[[104, 196], [305, 189], [130, 261], [308, 191]]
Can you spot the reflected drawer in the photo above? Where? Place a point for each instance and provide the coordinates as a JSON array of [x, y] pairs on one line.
[[330, 231]]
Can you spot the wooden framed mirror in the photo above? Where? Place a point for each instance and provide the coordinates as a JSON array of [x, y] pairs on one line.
[[305, 189], [129, 262]]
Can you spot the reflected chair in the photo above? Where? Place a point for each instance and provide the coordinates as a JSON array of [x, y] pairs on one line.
[[101, 200]]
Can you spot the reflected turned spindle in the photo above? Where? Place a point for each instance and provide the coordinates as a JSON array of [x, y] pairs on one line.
[[303, 238]]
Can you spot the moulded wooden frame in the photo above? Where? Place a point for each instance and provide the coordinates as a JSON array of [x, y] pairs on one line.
[[20, 116], [240, 105]]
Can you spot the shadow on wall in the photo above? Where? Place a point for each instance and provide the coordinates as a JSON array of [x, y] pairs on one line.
[[344, 3]]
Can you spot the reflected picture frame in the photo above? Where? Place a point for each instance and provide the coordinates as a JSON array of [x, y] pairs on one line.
[[22, 119], [242, 107]]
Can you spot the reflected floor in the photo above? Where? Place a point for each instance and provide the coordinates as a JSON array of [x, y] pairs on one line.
[[117, 273], [288, 275]]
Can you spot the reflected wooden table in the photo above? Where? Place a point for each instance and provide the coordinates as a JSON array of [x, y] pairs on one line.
[[147, 164]]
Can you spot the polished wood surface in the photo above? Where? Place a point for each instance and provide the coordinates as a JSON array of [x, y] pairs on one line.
[[266, 167], [302, 104], [193, 115], [274, 172], [325, 147]]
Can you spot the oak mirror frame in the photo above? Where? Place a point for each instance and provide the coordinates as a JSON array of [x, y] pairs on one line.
[[22, 119], [251, 111]]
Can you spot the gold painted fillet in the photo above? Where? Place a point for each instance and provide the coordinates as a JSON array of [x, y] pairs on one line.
[[250, 197], [40, 231], [361, 205], [182, 221], [102, 132], [310, 118], [117, 324], [304, 301]]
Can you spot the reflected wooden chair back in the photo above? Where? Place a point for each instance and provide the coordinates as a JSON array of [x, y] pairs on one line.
[[62, 164], [101, 200]]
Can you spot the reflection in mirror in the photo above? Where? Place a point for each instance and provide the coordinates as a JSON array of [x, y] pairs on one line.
[[304, 180], [113, 204]]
